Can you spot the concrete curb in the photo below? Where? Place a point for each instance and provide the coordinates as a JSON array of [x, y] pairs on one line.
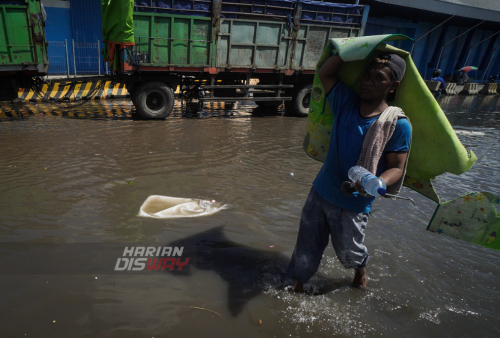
[[490, 89]]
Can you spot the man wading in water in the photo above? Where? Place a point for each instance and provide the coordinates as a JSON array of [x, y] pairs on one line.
[[328, 211]]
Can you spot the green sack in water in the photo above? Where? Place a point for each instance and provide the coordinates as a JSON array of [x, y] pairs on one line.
[[435, 147]]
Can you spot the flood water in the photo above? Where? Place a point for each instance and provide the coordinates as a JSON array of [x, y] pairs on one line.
[[71, 184]]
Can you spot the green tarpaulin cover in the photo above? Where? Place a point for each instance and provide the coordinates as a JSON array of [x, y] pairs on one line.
[[117, 28]]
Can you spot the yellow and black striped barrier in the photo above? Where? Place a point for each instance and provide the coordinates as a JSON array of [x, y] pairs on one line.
[[75, 91]]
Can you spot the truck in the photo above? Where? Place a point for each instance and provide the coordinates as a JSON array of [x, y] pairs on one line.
[[226, 50], [23, 49]]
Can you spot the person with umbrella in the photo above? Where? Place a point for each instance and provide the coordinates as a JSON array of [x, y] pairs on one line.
[[467, 69], [463, 77]]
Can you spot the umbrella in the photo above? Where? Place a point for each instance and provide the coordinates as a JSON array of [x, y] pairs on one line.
[[467, 69]]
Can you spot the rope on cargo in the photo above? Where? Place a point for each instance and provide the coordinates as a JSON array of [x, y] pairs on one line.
[[39, 94], [135, 61], [290, 22]]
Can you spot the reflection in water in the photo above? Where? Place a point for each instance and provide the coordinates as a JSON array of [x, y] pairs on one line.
[[80, 177], [118, 109]]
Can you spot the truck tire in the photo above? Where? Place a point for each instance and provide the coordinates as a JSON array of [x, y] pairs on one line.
[[299, 105], [153, 100], [131, 89]]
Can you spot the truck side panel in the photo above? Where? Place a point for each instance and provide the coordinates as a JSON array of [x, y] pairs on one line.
[[16, 45], [287, 36], [311, 40], [253, 44], [22, 38], [172, 40]]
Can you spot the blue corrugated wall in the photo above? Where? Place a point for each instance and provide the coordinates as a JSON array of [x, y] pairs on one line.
[[58, 29], [86, 23], [427, 50], [58, 24], [78, 20], [86, 27]]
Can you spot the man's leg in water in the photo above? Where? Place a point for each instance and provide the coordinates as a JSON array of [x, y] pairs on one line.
[[359, 278], [311, 242], [347, 233]]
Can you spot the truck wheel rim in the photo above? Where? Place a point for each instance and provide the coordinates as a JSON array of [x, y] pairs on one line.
[[154, 101], [305, 101]]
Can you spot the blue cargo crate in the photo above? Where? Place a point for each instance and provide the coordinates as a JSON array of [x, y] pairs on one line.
[[332, 13], [144, 7], [231, 8], [287, 7], [163, 6], [182, 7], [258, 6]]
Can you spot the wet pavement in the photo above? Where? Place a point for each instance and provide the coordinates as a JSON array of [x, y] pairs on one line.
[[72, 183]]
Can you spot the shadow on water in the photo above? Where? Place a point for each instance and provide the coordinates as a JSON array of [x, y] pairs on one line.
[[248, 271]]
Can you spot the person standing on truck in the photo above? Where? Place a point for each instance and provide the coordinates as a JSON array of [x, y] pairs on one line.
[[327, 211]]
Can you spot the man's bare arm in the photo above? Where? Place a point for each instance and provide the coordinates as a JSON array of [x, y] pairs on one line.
[[394, 168], [328, 72]]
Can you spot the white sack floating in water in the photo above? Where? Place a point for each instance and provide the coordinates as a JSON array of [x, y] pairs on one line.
[[157, 206]]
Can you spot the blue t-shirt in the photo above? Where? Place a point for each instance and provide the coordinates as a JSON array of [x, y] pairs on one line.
[[348, 133], [439, 79]]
